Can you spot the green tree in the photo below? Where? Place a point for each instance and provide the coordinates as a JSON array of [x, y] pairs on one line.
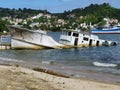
[[3, 26], [102, 23]]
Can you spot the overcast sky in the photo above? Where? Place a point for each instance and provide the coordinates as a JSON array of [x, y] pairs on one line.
[[55, 5]]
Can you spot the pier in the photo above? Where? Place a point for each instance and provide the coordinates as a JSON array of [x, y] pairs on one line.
[[5, 42]]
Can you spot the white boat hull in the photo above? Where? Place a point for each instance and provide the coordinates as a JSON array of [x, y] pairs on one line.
[[19, 44], [28, 39]]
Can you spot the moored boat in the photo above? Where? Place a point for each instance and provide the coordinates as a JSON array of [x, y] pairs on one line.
[[106, 30]]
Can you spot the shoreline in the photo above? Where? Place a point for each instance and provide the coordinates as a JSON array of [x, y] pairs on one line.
[[53, 80], [62, 71]]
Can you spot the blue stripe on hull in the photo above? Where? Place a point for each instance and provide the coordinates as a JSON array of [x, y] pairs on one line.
[[113, 31]]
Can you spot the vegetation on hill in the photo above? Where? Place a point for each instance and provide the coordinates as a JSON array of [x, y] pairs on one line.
[[94, 13], [3, 26], [20, 13]]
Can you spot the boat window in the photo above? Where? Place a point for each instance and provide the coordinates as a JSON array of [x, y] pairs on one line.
[[69, 33], [97, 43], [90, 42], [85, 38], [75, 34]]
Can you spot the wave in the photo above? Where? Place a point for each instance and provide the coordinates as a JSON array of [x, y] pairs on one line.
[[9, 59], [48, 62], [104, 64]]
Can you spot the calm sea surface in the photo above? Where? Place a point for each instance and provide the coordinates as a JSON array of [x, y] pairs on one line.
[[102, 63]]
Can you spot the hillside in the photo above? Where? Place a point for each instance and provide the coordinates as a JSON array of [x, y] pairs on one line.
[[76, 18], [104, 10], [98, 10], [20, 13], [93, 12]]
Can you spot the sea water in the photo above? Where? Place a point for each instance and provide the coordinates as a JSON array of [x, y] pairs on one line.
[[101, 63]]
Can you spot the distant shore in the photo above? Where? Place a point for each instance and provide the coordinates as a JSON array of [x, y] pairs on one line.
[[14, 77]]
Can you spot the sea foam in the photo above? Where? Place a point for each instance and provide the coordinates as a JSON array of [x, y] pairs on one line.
[[104, 64], [9, 59]]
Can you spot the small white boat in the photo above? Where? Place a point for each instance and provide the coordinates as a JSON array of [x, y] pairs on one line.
[[76, 38]]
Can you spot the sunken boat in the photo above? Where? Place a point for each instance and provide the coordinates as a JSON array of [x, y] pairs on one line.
[[77, 38], [22, 38]]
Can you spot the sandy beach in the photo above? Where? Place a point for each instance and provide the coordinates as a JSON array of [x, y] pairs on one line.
[[19, 78]]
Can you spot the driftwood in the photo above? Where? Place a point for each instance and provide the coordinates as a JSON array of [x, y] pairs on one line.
[[51, 72]]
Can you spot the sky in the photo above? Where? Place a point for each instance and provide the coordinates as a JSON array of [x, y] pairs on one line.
[[54, 6]]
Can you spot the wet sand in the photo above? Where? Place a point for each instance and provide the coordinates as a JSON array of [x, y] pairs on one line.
[[18, 78]]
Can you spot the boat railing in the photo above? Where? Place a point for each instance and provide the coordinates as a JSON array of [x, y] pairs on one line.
[[64, 37], [76, 31], [25, 29]]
